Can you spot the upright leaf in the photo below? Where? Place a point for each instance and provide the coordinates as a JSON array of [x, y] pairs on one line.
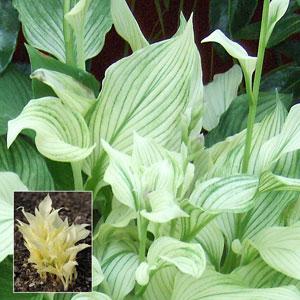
[[146, 93]]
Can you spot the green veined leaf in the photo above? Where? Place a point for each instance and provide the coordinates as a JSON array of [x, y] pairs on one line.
[[43, 25], [9, 183], [9, 29], [235, 118], [91, 296], [216, 286], [258, 274], [155, 85], [279, 247], [271, 182], [15, 92], [70, 91], [126, 25], [25, 161], [231, 194], [39, 60], [189, 258], [285, 142], [61, 135], [161, 284], [219, 94]]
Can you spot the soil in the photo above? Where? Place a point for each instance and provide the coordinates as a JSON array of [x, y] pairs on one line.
[[77, 207]]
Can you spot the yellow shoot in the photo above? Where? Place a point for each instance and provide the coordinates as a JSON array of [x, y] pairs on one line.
[[52, 242]]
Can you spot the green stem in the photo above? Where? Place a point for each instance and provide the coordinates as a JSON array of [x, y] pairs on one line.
[[142, 233], [70, 59], [76, 168], [253, 94]]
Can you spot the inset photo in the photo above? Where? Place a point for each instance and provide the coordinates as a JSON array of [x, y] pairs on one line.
[[52, 242]]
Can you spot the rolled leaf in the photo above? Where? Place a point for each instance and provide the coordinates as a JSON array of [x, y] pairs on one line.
[[247, 62], [61, 134]]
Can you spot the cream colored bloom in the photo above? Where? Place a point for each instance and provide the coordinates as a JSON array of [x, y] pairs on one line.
[[52, 242]]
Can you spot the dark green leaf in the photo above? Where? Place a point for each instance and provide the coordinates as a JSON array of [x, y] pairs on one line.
[[23, 159], [6, 284], [231, 15], [291, 49], [39, 60], [62, 175], [234, 119], [287, 26], [285, 78], [9, 28], [15, 92], [249, 32]]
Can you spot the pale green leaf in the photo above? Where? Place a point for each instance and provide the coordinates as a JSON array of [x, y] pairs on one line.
[[97, 272], [70, 91], [91, 296], [276, 11], [121, 174], [216, 286], [163, 207], [229, 194], [43, 25], [286, 141], [271, 182], [61, 134], [189, 258], [219, 94], [9, 183], [247, 62], [126, 25], [145, 92], [279, 247]]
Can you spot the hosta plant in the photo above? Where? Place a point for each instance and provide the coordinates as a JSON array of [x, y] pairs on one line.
[[181, 215], [52, 243]]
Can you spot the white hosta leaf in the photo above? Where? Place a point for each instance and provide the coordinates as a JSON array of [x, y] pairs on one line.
[[161, 284], [276, 11], [247, 62], [121, 215], [76, 17], [163, 207], [91, 296], [287, 141], [258, 274], [122, 176], [126, 25], [9, 183], [97, 272], [212, 240], [279, 247], [43, 25], [61, 134], [272, 182], [146, 93], [219, 94], [187, 257], [216, 286], [119, 272], [229, 194], [70, 91]]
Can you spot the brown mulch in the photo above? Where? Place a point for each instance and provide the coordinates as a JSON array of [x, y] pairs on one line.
[[77, 207]]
